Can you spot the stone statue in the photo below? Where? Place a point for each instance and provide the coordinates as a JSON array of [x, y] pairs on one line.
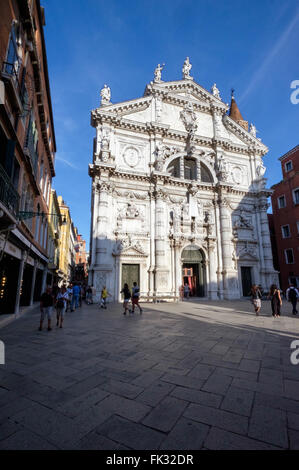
[[252, 130], [157, 72], [160, 157], [105, 95], [260, 170], [215, 91], [186, 69], [222, 168]]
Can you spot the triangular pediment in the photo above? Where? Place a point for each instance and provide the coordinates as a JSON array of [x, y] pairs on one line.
[[133, 251], [245, 255], [185, 89]]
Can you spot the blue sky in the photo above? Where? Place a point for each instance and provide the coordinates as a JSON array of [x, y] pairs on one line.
[[251, 46]]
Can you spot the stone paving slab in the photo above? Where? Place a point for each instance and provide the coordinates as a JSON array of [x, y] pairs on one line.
[[191, 375]]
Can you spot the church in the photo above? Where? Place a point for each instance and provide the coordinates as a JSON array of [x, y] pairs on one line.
[[178, 195]]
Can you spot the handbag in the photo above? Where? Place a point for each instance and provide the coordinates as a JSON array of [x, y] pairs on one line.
[[60, 303]]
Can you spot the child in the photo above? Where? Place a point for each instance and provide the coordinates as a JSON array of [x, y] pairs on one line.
[[104, 295]]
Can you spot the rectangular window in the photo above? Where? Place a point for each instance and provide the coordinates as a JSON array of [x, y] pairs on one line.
[[285, 231], [289, 166], [289, 255], [296, 195], [281, 202], [13, 62]]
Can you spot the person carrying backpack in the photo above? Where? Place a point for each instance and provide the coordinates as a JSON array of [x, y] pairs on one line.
[[292, 295], [61, 302]]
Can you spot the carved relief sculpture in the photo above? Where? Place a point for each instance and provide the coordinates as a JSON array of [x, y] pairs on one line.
[[188, 116]]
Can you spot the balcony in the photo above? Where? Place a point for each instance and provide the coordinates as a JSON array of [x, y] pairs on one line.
[[9, 200], [10, 77]]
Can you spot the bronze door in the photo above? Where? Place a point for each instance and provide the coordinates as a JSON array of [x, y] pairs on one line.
[[130, 274]]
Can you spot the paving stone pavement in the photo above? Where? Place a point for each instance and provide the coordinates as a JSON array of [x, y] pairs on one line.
[[191, 375]]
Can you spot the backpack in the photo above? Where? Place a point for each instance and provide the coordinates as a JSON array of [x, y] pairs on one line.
[[292, 294], [135, 291]]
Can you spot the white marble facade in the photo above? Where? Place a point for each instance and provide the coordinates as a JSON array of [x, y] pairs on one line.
[[172, 171]]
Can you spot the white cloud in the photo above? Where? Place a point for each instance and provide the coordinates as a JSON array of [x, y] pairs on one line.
[[262, 70]]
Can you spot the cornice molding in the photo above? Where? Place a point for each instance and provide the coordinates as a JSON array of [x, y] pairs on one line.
[[254, 145]]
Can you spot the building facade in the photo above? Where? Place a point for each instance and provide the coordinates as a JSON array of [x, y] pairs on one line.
[[55, 222], [178, 194], [27, 150], [285, 221], [81, 261]]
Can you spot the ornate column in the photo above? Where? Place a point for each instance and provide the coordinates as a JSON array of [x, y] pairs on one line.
[[219, 251], [260, 247], [229, 274], [95, 208], [101, 232], [213, 282], [178, 265], [266, 243], [161, 270], [102, 263], [151, 269]]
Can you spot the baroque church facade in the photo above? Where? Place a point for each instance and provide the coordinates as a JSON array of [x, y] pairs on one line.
[[178, 194]]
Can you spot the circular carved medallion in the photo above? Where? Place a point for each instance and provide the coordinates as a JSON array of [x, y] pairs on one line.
[[131, 156], [237, 175]]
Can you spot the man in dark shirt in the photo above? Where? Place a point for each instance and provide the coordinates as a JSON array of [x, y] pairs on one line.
[[46, 307]]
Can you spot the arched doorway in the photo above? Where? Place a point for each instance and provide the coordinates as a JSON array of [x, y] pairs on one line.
[[194, 270]]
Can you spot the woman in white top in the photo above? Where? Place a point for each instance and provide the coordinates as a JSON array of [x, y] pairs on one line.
[[61, 302]]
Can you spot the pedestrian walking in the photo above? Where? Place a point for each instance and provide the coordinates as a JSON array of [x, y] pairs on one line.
[[81, 294], [186, 290], [292, 296], [104, 295], [135, 297], [276, 301], [89, 295], [75, 296], [46, 307], [61, 303], [69, 291], [256, 297], [127, 296]]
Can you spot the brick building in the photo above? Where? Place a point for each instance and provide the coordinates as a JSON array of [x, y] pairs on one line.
[[27, 150], [81, 266], [285, 224]]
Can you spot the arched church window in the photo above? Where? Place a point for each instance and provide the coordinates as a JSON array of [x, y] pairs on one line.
[[174, 168], [190, 172], [206, 176]]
